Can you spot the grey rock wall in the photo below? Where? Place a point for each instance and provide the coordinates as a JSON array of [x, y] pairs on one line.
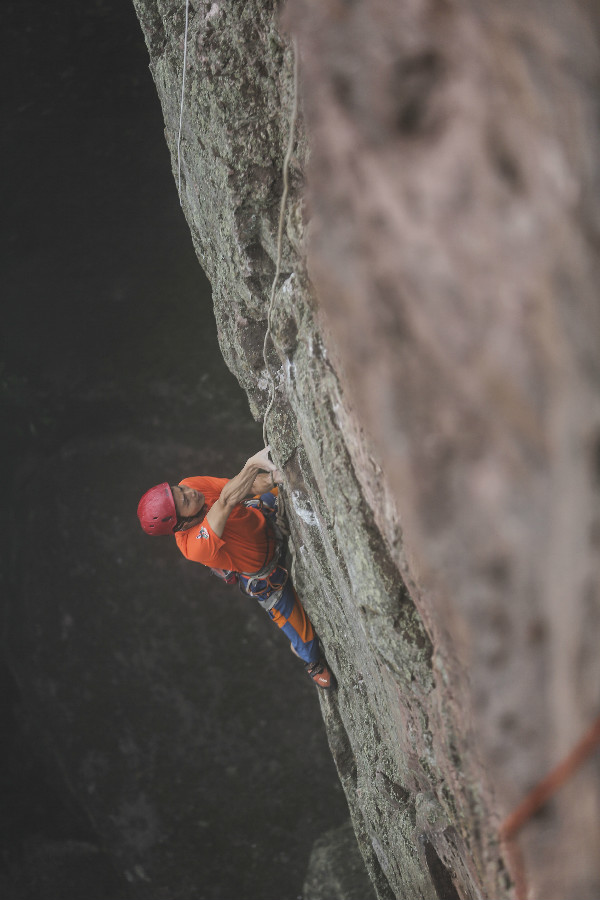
[[436, 319]]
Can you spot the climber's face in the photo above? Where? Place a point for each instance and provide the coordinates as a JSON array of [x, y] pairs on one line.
[[189, 503]]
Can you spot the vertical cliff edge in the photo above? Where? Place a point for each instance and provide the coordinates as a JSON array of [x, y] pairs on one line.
[[435, 337]]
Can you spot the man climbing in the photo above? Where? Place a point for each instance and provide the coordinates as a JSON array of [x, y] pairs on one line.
[[229, 526]]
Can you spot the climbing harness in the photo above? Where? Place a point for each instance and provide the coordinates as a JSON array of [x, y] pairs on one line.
[[265, 586], [268, 583], [271, 512], [268, 589], [286, 166], [185, 41]]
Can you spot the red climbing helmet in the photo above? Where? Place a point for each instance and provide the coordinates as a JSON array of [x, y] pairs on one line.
[[156, 510]]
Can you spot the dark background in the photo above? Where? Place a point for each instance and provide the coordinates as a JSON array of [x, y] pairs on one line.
[[158, 738]]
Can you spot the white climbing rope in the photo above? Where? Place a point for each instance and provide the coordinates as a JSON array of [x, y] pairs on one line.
[[286, 166], [185, 41]]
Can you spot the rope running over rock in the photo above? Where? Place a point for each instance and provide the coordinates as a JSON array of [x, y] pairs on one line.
[[286, 166], [284, 195]]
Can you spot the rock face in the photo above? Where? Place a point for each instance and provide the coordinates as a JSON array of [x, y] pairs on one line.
[[336, 870], [435, 353]]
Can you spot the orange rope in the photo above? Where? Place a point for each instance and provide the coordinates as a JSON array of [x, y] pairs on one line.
[[538, 796], [552, 782]]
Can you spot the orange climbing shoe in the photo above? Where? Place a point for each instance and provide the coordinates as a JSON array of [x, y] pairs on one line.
[[320, 674]]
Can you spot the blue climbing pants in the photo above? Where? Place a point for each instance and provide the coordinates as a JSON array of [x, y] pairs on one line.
[[287, 613]]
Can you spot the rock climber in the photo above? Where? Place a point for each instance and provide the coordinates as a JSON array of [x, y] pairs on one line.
[[230, 526]]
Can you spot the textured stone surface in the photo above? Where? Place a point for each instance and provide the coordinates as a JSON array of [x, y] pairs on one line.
[[336, 870], [453, 224]]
